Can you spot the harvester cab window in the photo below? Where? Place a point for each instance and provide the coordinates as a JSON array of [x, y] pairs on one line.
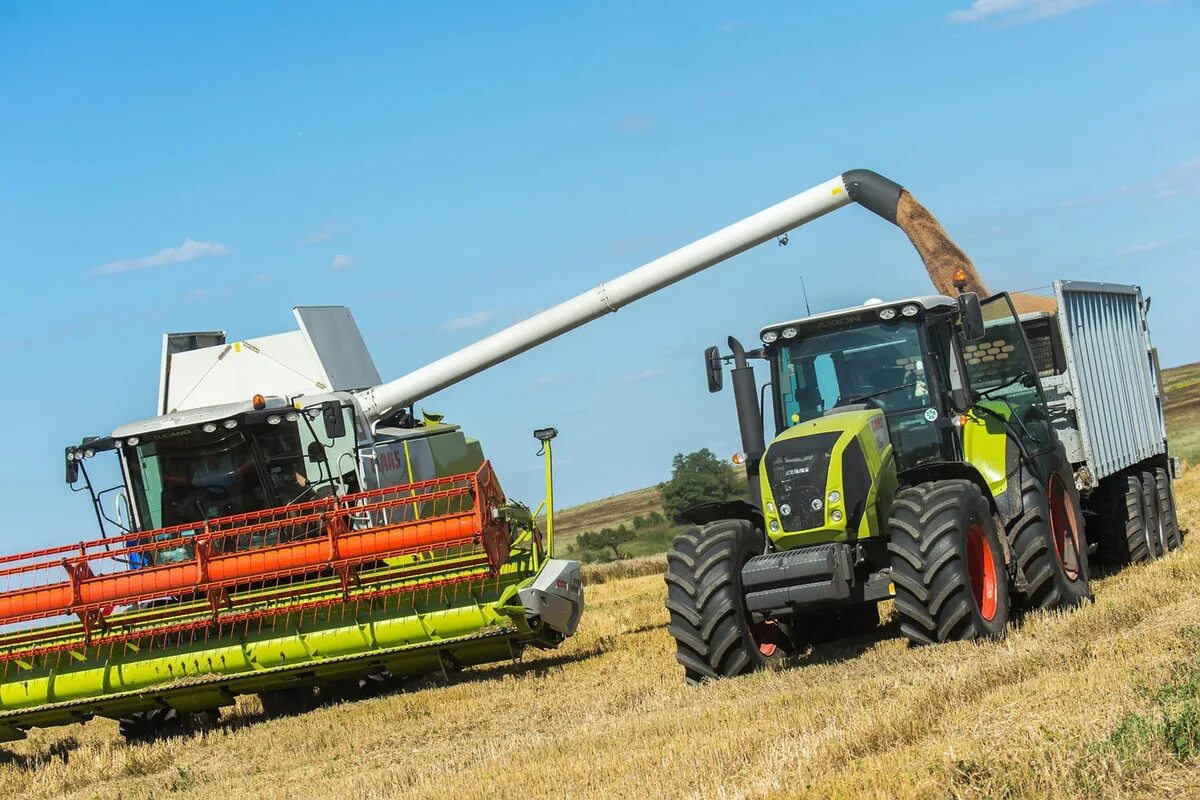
[[1004, 376], [176, 482]]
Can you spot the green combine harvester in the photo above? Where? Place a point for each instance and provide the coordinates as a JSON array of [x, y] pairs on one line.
[[290, 544]]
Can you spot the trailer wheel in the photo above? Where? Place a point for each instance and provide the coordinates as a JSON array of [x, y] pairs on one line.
[[1166, 509], [1123, 535], [1155, 531], [947, 564], [1048, 541], [714, 634]]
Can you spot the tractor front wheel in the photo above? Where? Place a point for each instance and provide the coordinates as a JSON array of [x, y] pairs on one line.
[[947, 564], [715, 637]]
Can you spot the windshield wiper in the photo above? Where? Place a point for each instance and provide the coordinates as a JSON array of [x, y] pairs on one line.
[[1019, 378], [872, 395]]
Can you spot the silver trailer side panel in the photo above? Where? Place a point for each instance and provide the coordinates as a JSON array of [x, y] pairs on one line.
[[1112, 372]]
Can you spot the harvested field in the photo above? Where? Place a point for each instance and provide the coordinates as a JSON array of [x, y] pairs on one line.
[[1103, 701]]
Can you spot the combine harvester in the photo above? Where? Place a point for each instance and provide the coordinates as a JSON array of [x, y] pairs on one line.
[[322, 534], [312, 538]]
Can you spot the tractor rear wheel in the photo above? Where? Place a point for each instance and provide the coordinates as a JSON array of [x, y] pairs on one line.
[[1166, 508], [1120, 519], [1048, 541], [715, 636], [947, 564]]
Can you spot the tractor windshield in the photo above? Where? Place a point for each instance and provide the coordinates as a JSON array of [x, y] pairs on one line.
[[881, 363]]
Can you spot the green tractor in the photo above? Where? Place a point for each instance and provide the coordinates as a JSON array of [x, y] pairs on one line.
[[915, 458]]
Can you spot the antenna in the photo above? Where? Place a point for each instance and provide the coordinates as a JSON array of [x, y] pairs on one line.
[[803, 288]]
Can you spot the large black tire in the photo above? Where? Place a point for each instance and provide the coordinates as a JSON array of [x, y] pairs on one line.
[[714, 636], [1048, 541], [288, 702], [145, 726], [1150, 511], [947, 564], [1166, 509], [1121, 529]]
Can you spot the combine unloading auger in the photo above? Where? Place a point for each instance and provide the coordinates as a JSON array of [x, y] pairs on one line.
[[322, 532]]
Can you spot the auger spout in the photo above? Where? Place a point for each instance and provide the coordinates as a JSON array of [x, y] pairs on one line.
[[869, 189]]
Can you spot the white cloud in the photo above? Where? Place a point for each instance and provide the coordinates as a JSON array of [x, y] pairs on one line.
[[1017, 10], [463, 323], [190, 250], [343, 261], [317, 237], [1178, 179], [638, 377], [1145, 247]]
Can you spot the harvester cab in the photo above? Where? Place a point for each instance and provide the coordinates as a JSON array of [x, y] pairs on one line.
[[270, 535]]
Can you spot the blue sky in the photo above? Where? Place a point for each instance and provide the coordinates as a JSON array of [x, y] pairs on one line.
[[445, 171]]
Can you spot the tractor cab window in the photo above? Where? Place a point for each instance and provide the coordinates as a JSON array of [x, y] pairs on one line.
[[1003, 375], [878, 363]]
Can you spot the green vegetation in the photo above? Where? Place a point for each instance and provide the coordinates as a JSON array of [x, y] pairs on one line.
[[699, 477], [696, 477], [1182, 405]]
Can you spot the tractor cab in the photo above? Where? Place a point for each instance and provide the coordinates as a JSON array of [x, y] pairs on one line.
[[885, 357]]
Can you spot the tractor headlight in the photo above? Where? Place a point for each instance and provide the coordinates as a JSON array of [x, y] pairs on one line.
[[770, 336], [834, 496], [836, 515], [274, 419], [774, 526], [909, 310], [789, 333], [292, 416], [785, 509], [209, 427], [887, 313], [132, 441], [229, 424], [770, 508], [817, 504]]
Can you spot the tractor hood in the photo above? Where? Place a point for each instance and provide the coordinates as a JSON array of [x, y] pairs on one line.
[[820, 479]]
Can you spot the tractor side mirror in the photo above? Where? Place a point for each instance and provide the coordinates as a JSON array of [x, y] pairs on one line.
[[970, 314], [72, 466], [712, 368], [335, 421]]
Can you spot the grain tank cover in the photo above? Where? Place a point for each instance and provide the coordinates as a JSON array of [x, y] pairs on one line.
[[326, 354], [1114, 373]]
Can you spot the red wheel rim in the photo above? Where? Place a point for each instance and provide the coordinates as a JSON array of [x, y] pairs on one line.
[[767, 637], [981, 567], [1062, 528]]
